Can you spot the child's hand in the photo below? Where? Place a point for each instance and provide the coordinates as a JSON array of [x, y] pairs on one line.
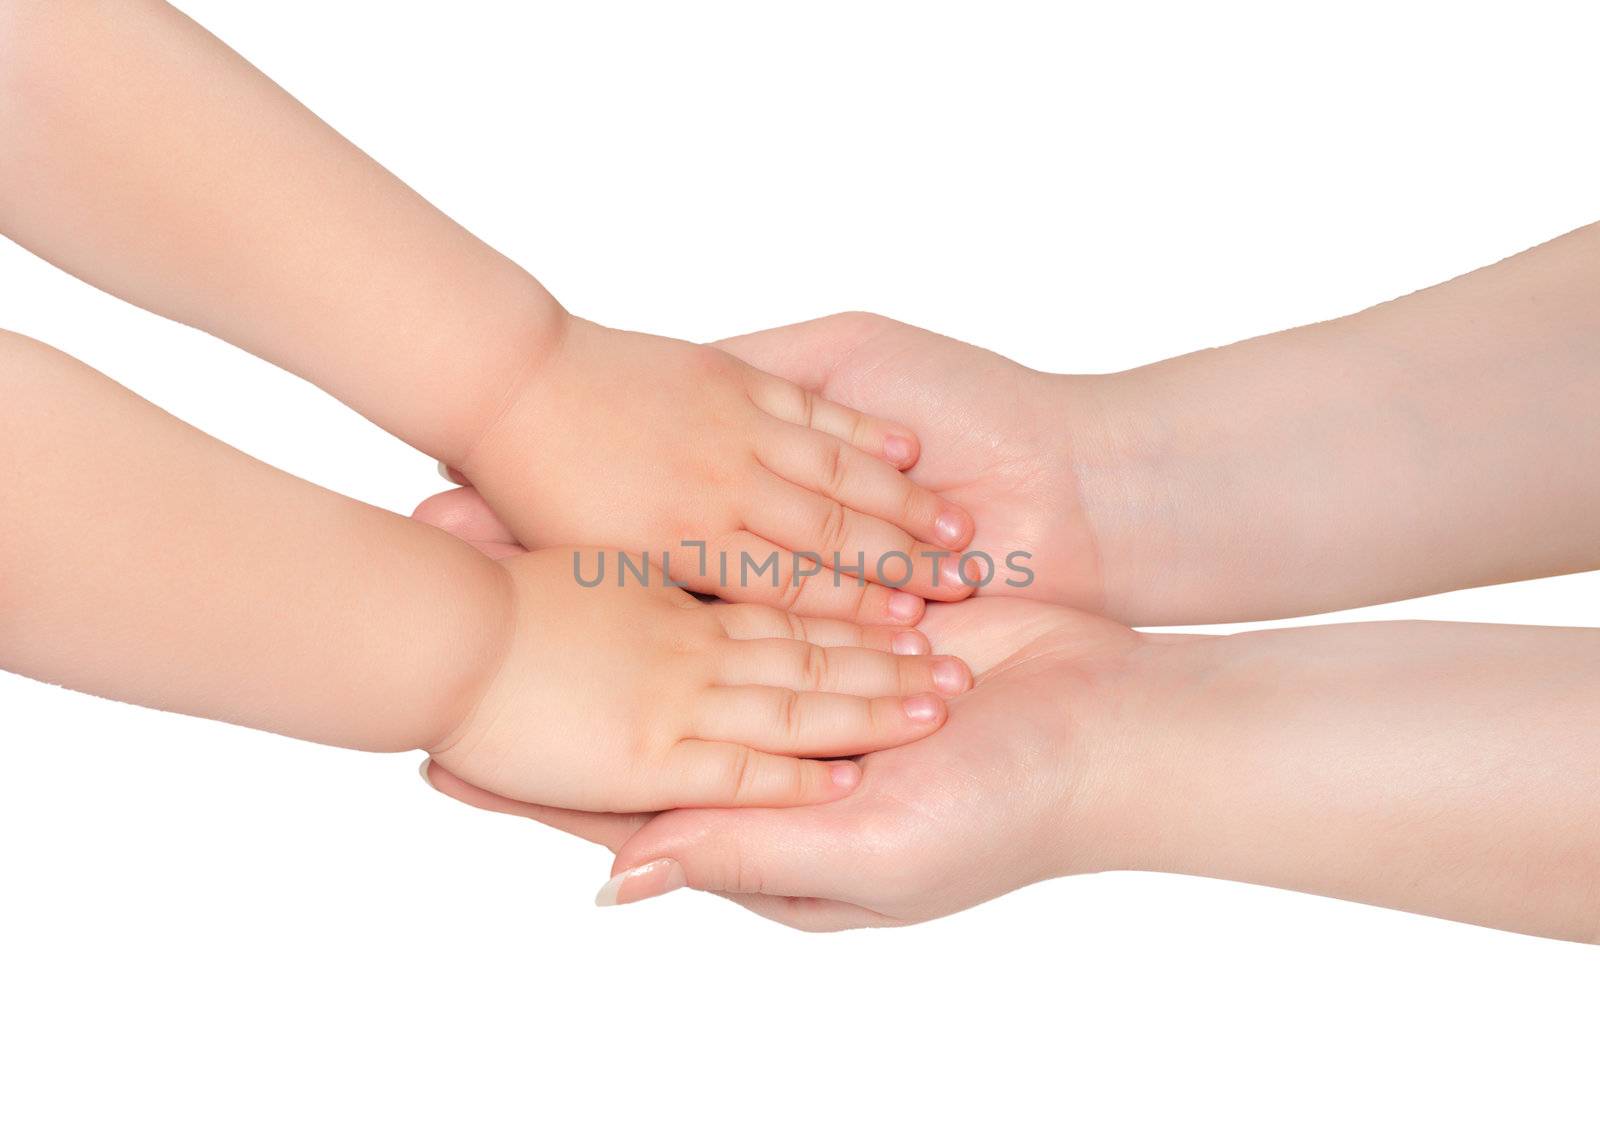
[[637, 698], [646, 443]]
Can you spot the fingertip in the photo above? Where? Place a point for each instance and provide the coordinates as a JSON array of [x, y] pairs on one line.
[[652, 879], [953, 583], [924, 709], [844, 775], [951, 676], [953, 527], [904, 607], [900, 449], [908, 643]]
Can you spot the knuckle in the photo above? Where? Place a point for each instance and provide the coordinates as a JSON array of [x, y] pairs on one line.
[[786, 714], [834, 471], [835, 520], [784, 400], [859, 601], [789, 595], [817, 666], [742, 769], [860, 429]]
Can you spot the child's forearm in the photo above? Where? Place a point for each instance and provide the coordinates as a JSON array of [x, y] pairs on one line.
[[144, 156], [1444, 440], [145, 561], [1444, 768]]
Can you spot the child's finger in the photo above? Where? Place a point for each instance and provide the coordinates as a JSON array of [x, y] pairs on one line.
[[891, 442], [799, 723], [789, 664], [464, 513], [750, 568], [826, 465], [726, 774], [785, 513], [751, 620]]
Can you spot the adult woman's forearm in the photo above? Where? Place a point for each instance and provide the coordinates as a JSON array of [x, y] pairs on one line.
[[141, 154], [1444, 768], [1447, 439], [143, 560]]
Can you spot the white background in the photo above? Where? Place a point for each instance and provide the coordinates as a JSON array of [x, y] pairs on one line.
[[213, 926]]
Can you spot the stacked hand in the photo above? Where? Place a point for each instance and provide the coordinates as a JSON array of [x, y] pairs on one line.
[[1085, 745], [826, 480]]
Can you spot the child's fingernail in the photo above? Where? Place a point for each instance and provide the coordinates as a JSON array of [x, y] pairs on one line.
[[952, 527], [950, 676], [897, 449], [922, 708], [905, 606], [950, 573], [909, 642], [649, 880], [845, 774]]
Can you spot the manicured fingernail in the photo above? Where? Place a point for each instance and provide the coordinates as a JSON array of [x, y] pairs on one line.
[[845, 774], [897, 449], [953, 528], [444, 472], [950, 573], [909, 642], [950, 676], [905, 606], [422, 769], [923, 707], [649, 880]]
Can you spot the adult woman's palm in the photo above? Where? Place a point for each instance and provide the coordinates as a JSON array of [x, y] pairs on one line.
[[1011, 791], [1015, 447]]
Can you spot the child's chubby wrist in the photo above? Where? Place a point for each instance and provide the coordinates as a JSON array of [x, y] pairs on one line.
[[527, 342], [527, 401], [486, 631]]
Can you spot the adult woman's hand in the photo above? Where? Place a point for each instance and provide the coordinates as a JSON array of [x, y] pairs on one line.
[[997, 802], [1438, 441]]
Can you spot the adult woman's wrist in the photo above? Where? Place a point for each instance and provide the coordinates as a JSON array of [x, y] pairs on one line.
[[1129, 756]]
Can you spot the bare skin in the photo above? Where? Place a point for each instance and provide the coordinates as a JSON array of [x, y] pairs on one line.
[[1442, 768], [145, 157], [148, 562], [1442, 440]]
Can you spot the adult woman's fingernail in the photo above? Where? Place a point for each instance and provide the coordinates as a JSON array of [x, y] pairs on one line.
[[897, 449], [649, 880], [422, 769], [952, 527], [909, 642], [845, 774]]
